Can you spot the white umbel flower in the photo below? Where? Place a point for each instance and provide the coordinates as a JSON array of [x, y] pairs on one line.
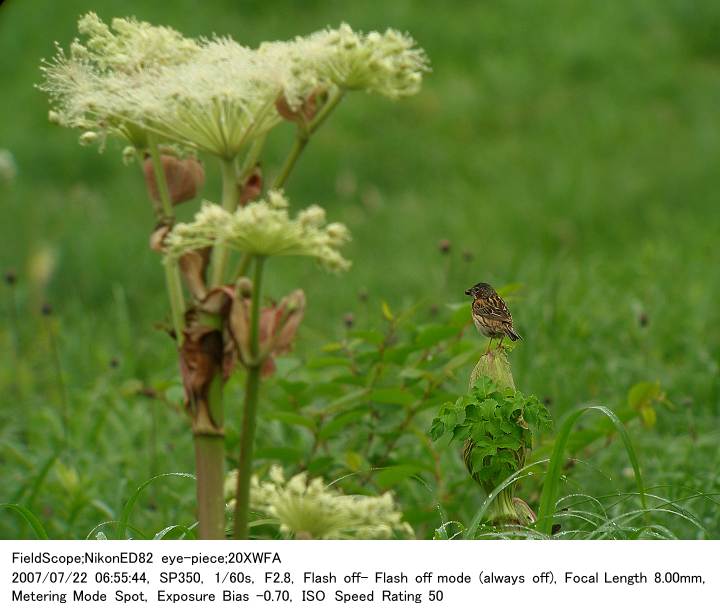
[[217, 102], [388, 64], [309, 509], [263, 228], [101, 84], [215, 95]]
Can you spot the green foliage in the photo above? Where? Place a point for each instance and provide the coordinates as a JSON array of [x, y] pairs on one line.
[[551, 486], [643, 398], [610, 244], [500, 424]]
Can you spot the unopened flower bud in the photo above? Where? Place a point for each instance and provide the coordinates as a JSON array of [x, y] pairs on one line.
[[129, 154], [183, 176], [305, 111], [244, 287], [495, 366], [88, 138]]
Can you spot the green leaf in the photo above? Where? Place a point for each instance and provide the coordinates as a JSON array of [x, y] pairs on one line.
[[321, 465], [326, 362], [388, 477], [339, 422], [437, 429], [293, 388], [29, 517], [387, 313], [643, 394], [642, 398], [354, 461]]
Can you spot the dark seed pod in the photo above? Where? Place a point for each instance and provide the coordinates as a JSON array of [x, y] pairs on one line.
[[444, 246]]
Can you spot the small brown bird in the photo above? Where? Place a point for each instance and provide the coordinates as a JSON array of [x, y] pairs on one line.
[[490, 314]]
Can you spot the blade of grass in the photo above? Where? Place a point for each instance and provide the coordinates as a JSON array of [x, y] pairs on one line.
[[29, 517], [176, 531], [95, 529], [551, 487], [37, 482], [130, 504]]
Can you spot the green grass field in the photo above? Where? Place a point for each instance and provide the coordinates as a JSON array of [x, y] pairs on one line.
[[569, 153]]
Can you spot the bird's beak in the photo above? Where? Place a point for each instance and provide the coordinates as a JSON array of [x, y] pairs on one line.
[[468, 292]]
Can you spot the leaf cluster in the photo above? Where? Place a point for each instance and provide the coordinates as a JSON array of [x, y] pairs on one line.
[[498, 426]]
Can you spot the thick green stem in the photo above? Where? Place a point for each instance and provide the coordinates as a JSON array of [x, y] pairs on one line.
[[210, 461], [172, 272], [230, 196], [502, 510], [247, 435], [210, 473], [303, 136]]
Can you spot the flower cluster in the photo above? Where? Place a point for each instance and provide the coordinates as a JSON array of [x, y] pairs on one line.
[[95, 87], [263, 228], [388, 64], [310, 509], [215, 95]]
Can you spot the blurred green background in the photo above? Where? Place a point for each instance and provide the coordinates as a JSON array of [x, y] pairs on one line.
[[568, 149]]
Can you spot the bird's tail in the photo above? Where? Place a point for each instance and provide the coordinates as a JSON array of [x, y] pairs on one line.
[[513, 335]]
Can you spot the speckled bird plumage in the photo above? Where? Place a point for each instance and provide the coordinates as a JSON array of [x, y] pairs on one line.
[[490, 313]]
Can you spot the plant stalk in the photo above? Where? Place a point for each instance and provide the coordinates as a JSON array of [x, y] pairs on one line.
[[247, 435], [230, 196], [172, 272], [210, 473], [209, 440], [303, 136]]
